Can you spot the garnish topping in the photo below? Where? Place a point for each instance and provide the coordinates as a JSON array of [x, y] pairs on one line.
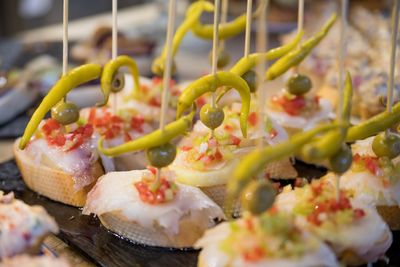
[[295, 105], [54, 133], [110, 126], [153, 191], [382, 167], [270, 235], [318, 203]]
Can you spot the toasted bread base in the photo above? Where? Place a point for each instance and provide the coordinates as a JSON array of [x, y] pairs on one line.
[[391, 215], [218, 194], [351, 258], [52, 183], [156, 236]]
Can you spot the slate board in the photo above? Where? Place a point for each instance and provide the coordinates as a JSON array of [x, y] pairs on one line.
[[104, 248]]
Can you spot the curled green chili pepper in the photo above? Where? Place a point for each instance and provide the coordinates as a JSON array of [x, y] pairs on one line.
[[69, 81], [210, 83], [111, 69], [328, 144], [154, 139], [295, 57], [253, 163], [193, 14], [226, 30], [374, 125], [247, 63]]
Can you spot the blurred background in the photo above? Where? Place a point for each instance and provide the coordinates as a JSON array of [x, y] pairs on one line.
[[31, 40]]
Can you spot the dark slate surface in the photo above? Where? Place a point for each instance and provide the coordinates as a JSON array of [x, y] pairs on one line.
[[85, 234]]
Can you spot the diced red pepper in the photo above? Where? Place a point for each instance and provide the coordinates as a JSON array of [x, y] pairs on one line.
[[201, 101], [153, 197], [137, 122], [253, 119], [358, 214], [235, 140], [293, 106], [372, 165], [186, 148], [254, 254]]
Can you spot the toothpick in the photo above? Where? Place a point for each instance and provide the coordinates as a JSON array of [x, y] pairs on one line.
[[300, 25], [300, 16], [224, 19], [261, 47], [65, 40], [395, 27], [168, 68], [342, 55], [217, 8], [248, 28], [114, 45]]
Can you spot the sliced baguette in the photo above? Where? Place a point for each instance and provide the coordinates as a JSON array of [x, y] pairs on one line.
[[189, 232], [51, 182]]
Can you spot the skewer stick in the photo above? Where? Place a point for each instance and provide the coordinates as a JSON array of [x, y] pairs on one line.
[[167, 69], [300, 16], [262, 46], [215, 43], [248, 28], [300, 25], [395, 27], [114, 44], [224, 19], [342, 55], [65, 39]]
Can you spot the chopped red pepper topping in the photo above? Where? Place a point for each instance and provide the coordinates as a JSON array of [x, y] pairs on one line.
[[137, 122], [253, 118], [291, 106], [330, 206], [235, 140], [254, 254], [370, 163], [156, 192], [54, 135]]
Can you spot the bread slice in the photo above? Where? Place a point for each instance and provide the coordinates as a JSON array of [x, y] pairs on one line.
[[51, 182], [189, 232], [391, 215]]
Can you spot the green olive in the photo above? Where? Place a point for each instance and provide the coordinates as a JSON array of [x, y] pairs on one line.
[[158, 67], [118, 82], [258, 196], [161, 156], [223, 58], [251, 79], [65, 113], [341, 161], [299, 84], [211, 117], [385, 145]]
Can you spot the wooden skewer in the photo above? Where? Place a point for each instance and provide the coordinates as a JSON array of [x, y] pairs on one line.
[[262, 46], [395, 27], [167, 69], [65, 39], [300, 24], [300, 16], [214, 66], [248, 28], [114, 44], [342, 55], [224, 19]]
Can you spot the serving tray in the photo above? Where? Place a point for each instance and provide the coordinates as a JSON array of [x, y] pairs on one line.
[[104, 248]]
